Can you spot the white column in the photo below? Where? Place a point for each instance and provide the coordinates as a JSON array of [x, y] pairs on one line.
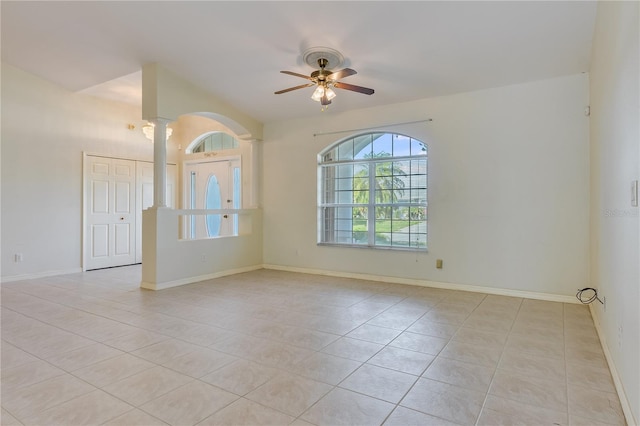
[[160, 162]]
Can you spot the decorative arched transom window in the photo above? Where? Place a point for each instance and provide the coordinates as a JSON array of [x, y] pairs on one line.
[[214, 141], [373, 192]]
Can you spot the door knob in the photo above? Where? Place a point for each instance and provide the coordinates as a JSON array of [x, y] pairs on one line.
[[122, 218], [225, 216]]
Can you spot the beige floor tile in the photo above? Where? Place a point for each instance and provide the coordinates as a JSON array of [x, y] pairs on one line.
[[240, 377], [309, 339], [6, 419], [452, 403], [135, 418], [112, 370], [147, 385], [94, 408], [289, 393], [552, 333], [199, 362], [589, 376], [135, 340], [52, 341], [530, 390], [242, 346], [343, 407], [246, 412], [78, 358], [419, 343], [480, 337], [378, 382], [488, 323], [325, 368], [357, 350], [189, 404], [594, 404], [375, 334], [13, 356], [584, 421], [535, 345], [397, 321], [528, 364], [27, 374], [448, 314], [402, 360], [280, 355], [402, 416], [30, 400], [165, 350], [467, 352], [471, 376], [501, 411], [435, 329], [586, 356]]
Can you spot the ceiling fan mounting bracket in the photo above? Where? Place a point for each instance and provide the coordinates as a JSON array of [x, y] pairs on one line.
[[313, 55]]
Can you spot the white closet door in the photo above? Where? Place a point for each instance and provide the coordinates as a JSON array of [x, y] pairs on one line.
[[110, 212]]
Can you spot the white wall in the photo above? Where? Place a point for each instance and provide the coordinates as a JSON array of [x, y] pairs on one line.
[[45, 129], [508, 188], [615, 224]]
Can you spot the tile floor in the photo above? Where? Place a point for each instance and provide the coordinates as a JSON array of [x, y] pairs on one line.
[[278, 348]]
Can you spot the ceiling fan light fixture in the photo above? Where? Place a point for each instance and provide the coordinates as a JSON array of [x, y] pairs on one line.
[[330, 93], [318, 94]]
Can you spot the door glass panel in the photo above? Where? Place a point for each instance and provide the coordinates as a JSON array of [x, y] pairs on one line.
[[237, 196], [213, 200], [192, 190]]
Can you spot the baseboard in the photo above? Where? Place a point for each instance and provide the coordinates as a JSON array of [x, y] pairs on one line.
[[191, 280], [427, 283], [40, 275], [624, 401]]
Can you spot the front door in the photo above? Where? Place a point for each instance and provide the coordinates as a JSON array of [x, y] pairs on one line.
[[212, 185]]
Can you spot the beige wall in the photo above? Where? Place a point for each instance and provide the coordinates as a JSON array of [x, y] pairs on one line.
[[508, 189], [45, 129], [615, 223]]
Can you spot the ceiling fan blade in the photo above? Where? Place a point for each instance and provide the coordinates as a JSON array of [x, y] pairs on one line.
[[296, 74], [337, 75], [353, 88], [302, 86]]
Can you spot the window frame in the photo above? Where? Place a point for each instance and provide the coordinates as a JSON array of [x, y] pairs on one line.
[[328, 193]]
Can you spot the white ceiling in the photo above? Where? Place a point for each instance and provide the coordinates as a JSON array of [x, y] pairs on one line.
[[235, 50]]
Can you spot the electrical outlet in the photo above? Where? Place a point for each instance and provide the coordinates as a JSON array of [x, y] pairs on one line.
[[439, 263], [620, 335], [203, 258]]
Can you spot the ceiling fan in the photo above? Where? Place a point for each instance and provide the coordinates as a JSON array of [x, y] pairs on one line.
[[324, 79]]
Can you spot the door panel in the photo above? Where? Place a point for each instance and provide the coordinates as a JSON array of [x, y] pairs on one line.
[[100, 238]]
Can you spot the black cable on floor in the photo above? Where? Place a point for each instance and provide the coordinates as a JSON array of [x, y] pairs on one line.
[[588, 300]]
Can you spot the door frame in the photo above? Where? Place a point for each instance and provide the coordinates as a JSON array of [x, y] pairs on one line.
[[184, 192], [83, 201]]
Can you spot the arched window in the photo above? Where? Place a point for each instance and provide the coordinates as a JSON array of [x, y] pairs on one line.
[[214, 141], [373, 192]]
